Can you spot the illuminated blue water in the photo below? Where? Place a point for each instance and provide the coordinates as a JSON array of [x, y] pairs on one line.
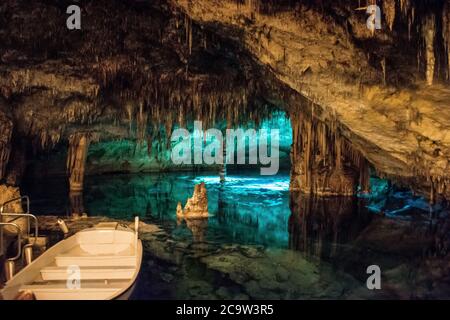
[[245, 209]]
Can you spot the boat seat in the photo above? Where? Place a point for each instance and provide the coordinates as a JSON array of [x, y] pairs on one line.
[[96, 261], [81, 258], [90, 290], [89, 273]]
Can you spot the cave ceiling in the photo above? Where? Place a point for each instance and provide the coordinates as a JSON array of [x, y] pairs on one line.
[[165, 62]]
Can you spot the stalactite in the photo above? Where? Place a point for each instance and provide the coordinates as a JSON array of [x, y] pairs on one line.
[[324, 162], [338, 151], [308, 153], [6, 130], [446, 34], [404, 6], [168, 129], [188, 27], [432, 191], [130, 113], [364, 176], [5, 151], [428, 32], [141, 128], [389, 12], [383, 67]]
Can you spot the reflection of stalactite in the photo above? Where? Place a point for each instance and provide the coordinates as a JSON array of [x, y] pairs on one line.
[[318, 226], [429, 31], [76, 159], [198, 228], [76, 203]]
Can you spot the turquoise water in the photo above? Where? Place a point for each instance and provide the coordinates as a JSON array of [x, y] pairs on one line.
[[262, 242], [245, 209]]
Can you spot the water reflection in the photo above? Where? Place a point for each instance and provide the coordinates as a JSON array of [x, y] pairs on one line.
[[321, 226], [198, 228], [269, 243], [76, 201]]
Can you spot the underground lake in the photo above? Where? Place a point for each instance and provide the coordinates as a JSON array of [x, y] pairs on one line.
[[261, 242]]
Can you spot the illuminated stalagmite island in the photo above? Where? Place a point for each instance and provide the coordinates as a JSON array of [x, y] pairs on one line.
[[362, 123]]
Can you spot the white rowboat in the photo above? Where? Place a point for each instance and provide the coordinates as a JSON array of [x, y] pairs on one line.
[[100, 263]]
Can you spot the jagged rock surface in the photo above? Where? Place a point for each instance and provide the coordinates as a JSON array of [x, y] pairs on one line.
[[197, 205]]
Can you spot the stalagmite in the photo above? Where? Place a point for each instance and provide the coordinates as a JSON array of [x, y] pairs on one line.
[[429, 31], [197, 205], [76, 160]]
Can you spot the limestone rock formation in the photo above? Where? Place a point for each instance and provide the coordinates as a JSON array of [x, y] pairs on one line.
[[180, 214], [399, 125], [8, 193], [6, 128], [197, 205]]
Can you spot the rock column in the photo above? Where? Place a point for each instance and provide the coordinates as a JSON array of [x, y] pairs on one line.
[[76, 161]]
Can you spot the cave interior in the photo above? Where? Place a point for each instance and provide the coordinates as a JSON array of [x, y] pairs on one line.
[[363, 115]]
